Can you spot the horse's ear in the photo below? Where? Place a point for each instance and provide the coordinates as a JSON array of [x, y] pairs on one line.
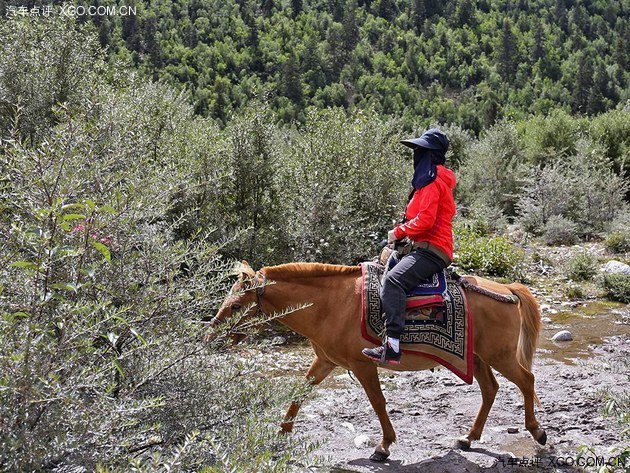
[[244, 270]]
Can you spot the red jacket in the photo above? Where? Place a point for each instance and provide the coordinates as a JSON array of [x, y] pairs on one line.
[[430, 213]]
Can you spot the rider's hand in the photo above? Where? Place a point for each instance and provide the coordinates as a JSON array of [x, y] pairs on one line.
[[391, 238]]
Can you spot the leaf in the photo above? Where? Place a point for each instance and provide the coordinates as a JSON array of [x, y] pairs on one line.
[[138, 336], [73, 206], [25, 265], [107, 208], [73, 217], [118, 368], [103, 250], [65, 286], [112, 337]]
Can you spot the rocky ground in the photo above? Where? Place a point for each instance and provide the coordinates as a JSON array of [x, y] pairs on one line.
[[430, 410]]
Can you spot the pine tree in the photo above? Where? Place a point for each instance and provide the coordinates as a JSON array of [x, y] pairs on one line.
[[350, 33], [292, 78], [596, 102], [387, 9], [560, 15], [267, 7], [538, 49], [584, 83], [419, 15], [296, 7], [464, 13], [506, 53]]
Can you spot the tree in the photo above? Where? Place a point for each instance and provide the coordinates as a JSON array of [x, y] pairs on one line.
[[584, 84], [296, 7], [292, 81], [350, 26], [419, 15], [538, 48], [596, 102], [506, 52]]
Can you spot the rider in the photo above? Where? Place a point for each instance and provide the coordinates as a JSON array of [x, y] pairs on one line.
[[427, 224]]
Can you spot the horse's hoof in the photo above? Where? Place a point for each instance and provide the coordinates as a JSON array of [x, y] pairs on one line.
[[462, 443], [379, 456], [286, 428], [542, 438]]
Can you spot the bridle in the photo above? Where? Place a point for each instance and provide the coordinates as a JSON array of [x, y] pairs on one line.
[[260, 281]]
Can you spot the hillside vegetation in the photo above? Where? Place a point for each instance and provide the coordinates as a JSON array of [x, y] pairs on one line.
[[467, 62]]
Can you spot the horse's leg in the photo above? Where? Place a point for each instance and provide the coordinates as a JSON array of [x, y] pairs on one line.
[[320, 368], [489, 386], [510, 368], [367, 374]]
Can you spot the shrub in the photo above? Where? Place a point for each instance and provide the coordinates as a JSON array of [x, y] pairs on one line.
[[583, 188], [618, 242], [482, 219], [560, 231], [574, 291], [491, 174], [344, 179], [100, 357], [493, 256], [581, 267], [617, 287]]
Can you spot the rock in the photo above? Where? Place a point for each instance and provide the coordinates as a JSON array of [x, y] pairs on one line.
[[546, 320], [512, 430], [362, 441], [616, 267], [279, 341], [545, 307], [553, 311], [562, 336], [349, 426]]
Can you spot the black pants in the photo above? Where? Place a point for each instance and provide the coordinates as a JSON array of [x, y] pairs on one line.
[[418, 265]]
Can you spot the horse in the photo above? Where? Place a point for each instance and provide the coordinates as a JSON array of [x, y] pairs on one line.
[[505, 335]]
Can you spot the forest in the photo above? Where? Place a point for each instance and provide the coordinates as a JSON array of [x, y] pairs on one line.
[[141, 156], [465, 62]]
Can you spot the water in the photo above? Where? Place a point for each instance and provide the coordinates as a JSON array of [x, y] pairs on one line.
[[590, 325]]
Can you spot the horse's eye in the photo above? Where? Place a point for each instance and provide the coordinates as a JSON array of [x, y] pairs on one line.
[[236, 306]]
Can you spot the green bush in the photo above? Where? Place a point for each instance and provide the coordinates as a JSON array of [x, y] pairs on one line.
[[581, 267], [492, 172], [100, 354], [582, 188], [617, 287], [560, 231], [574, 291], [494, 256], [618, 242]]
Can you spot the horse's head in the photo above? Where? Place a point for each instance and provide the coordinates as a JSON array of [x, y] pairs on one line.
[[243, 301]]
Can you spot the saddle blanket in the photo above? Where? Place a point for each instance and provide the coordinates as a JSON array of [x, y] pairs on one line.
[[440, 329]]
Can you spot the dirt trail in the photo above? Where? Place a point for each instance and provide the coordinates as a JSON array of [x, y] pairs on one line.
[[430, 410]]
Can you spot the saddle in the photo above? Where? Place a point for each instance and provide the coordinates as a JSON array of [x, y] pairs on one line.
[[430, 294]]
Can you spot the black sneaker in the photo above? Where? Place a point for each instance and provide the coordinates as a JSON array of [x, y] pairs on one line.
[[384, 354]]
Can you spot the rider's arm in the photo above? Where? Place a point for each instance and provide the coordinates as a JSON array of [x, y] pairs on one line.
[[426, 202]]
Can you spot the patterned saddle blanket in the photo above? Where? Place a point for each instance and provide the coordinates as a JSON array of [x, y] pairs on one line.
[[437, 326]]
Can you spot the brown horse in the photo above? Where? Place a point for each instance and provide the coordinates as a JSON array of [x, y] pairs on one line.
[[504, 335]]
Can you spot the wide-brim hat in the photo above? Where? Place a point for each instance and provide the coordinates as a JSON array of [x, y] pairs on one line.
[[430, 139]]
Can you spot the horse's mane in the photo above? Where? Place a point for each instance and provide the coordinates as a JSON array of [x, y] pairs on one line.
[[299, 270]]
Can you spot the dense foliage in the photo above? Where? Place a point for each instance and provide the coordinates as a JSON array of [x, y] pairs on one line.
[[469, 62], [101, 363]]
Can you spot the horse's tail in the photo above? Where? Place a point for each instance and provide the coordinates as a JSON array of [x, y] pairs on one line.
[[531, 325]]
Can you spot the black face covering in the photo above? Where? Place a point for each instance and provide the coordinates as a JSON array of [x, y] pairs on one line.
[[425, 163]]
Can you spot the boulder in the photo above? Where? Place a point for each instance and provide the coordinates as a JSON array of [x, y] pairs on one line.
[[562, 336], [616, 267]]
